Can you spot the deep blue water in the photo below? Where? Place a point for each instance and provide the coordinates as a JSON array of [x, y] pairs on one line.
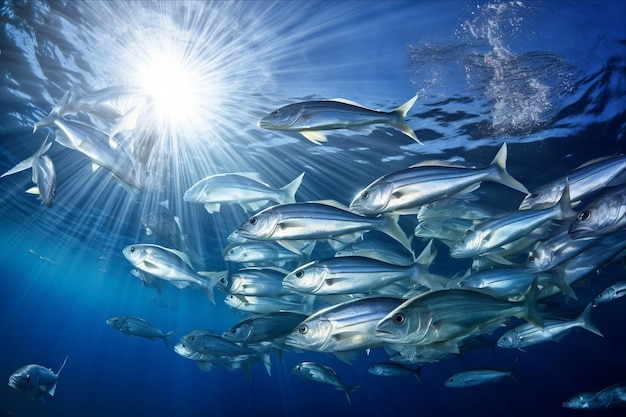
[[548, 78]]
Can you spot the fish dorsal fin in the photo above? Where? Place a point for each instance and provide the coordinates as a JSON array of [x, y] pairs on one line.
[[314, 136], [332, 203], [182, 255], [437, 163], [350, 102]]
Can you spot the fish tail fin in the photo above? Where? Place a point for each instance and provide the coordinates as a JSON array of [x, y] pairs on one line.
[[350, 390], [167, 336], [531, 314], [502, 175], [56, 112], [585, 320], [126, 122], [267, 362], [398, 121], [291, 189], [62, 366], [392, 229], [28, 162], [211, 279]]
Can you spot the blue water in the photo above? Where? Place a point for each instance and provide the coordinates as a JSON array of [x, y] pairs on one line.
[[548, 78]]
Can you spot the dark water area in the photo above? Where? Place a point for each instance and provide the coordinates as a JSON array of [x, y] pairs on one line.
[[546, 78]]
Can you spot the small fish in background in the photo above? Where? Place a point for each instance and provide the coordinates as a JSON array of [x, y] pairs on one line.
[[607, 398], [610, 293], [310, 118], [553, 329], [243, 188], [394, 369], [43, 258], [165, 226], [43, 173], [321, 373], [35, 380], [136, 326], [478, 377]]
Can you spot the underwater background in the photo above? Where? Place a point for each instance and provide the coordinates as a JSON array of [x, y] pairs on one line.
[[547, 78]]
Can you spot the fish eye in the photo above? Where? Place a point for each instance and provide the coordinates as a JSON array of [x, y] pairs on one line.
[[233, 330], [253, 220], [398, 318], [132, 248], [534, 195], [116, 320], [300, 274], [303, 329], [146, 173], [584, 215], [275, 112], [365, 195], [192, 338], [223, 280], [28, 379], [298, 368], [531, 258]]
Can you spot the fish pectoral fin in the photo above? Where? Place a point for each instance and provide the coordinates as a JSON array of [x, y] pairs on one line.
[[212, 207], [315, 136], [33, 190], [180, 284], [289, 245], [51, 391], [204, 366], [94, 167]]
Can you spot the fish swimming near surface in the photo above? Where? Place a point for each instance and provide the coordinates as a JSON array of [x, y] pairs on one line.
[[583, 181], [311, 118], [406, 190], [136, 326], [35, 380], [243, 188], [321, 373], [115, 102], [43, 173]]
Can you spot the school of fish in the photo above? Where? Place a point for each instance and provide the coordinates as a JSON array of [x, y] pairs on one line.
[[305, 279]]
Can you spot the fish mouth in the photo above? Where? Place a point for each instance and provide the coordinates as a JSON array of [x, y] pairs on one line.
[[386, 334], [13, 383]]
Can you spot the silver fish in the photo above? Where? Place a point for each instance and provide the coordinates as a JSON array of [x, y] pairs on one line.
[[553, 329], [263, 327], [44, 176], [491, 235], [343, 327], [586, 179], [258, 305], [352, 274], [171, 265], [555, 250], [310, 118], [406, 190], [477, 377], [117, 102], [92, 143], [611, 293], [136, 326], [321, 373], [269, 253], [243, 188], [442, 315], [603, 215], [35, 380], [264, 282], [315, 220], [394, 369]]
